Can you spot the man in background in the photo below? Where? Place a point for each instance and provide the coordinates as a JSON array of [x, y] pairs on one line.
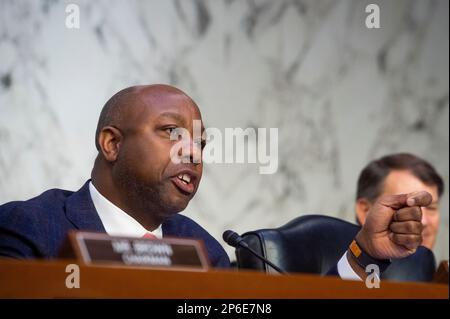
[[395, 174], [398, 174]]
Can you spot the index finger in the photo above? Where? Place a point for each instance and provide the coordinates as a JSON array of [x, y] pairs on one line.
[[421, 198]]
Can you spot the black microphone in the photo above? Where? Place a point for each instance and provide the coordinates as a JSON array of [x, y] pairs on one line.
[[233, 239]]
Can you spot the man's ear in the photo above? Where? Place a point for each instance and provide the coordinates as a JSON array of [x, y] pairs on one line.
[[362, 207], [109, 140]]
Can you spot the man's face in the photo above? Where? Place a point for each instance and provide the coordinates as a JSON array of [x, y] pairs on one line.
[[402, 182], [144, 169]]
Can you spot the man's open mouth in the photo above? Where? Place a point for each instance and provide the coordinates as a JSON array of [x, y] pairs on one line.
[[184, 182]]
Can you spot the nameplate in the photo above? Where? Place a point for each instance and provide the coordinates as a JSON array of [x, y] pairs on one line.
[[166, 253]]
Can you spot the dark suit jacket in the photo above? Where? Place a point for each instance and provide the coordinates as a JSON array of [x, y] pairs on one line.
[[38, 227]]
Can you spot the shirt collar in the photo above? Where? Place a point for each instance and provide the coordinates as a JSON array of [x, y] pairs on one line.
[[115, 220]]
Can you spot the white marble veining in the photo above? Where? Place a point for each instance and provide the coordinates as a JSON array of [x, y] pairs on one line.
[[339, 93]]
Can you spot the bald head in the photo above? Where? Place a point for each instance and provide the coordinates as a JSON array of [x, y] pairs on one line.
[[127, 104]]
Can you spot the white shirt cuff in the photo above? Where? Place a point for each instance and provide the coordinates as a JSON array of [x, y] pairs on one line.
[[345, 270]]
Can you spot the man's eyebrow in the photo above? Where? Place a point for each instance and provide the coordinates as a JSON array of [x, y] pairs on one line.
[[172, 115], [177, 117], [434, 203]]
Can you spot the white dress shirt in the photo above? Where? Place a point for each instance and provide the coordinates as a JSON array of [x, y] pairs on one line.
[[115, 220], [345, 270]]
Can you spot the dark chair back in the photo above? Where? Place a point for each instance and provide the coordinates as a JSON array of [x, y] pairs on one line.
[[315, 243]]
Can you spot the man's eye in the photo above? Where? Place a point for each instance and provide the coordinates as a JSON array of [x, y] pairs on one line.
[[171, 130], [172, 133]]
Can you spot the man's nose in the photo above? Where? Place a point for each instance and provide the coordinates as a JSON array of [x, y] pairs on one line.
[[191, 151]]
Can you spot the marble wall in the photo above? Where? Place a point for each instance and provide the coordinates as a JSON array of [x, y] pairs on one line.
[[340, 94]]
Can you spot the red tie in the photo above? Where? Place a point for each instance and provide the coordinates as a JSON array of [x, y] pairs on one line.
[[149, 236]]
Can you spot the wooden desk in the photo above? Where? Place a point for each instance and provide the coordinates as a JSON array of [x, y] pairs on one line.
[[43, 279]]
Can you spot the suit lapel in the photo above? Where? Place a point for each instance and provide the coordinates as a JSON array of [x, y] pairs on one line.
[[80, 210]]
